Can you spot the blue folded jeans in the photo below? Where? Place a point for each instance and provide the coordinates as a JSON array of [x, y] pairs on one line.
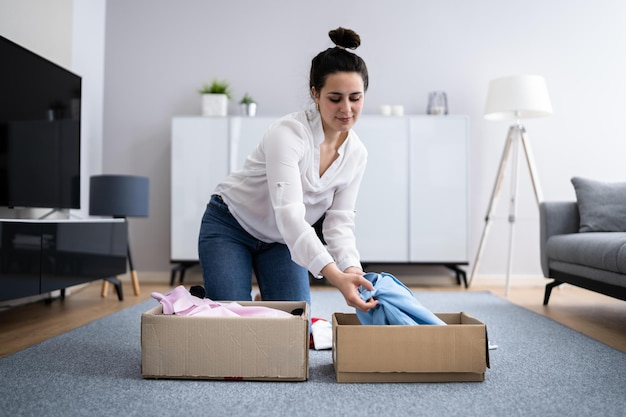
[[396, 303]]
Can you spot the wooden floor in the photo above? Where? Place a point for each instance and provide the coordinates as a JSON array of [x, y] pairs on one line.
[[600, 317]]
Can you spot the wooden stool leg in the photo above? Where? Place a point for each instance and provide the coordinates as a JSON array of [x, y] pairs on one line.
[[105, 288], [135, 279], [133, 273]]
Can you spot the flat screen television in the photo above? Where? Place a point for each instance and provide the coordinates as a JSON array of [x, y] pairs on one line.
[[39, 131]]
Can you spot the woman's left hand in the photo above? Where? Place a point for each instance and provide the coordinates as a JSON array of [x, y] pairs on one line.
[[348, 283]]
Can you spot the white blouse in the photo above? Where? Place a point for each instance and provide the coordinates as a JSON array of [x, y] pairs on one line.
[[278, 194]]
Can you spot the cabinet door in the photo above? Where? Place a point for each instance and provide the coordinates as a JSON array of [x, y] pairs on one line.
[[439, 177], [245, 135], [75, 252], [199, 161], [382, 207], [20, 259]]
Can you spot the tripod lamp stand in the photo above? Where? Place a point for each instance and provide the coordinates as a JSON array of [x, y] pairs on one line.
[[119, 196], [517, 97]]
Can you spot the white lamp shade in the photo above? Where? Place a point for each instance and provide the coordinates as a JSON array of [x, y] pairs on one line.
[[517, 97]]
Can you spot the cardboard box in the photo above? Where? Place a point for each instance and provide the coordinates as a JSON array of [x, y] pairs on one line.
[[232, 348], [456, 352]]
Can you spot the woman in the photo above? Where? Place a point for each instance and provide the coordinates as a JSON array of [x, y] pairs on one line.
[[307, 167]]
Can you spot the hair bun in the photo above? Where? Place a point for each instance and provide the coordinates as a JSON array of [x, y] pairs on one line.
[[345, 38]]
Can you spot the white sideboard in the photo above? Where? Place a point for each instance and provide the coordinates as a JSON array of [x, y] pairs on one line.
[[413, 202]]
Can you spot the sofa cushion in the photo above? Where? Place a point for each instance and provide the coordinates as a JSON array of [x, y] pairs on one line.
[[602, 205], [606, 250]]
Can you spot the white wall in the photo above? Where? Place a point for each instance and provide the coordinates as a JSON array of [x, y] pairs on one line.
[[43, 26], [88, 48], [159, 52]]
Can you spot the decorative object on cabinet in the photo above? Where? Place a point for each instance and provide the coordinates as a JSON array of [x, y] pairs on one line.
[[120, 196], [397, 110], [421, 167], [392, 110], [215, 98], [437, 103], [247, 106], [515, 97]]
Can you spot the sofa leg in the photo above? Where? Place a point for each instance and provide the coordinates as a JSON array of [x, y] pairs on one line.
[[549, 287]]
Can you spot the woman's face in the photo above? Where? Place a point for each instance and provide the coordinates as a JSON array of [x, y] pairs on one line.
[[340, 101]]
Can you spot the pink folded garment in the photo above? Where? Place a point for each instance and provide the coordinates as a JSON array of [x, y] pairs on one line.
[[180, 302]]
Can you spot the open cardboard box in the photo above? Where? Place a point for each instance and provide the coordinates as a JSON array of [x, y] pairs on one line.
[[426, 353], [232, 348]]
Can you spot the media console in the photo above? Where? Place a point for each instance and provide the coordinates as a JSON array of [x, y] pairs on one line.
[[40, 256]]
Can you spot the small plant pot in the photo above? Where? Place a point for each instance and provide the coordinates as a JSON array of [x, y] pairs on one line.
[[248, 109], [214, 104]]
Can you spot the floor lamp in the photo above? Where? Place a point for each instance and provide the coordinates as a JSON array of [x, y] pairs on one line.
[[517, 97], [119, 196]]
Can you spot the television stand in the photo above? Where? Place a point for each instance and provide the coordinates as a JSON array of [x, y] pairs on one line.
[[41, 256], [65, 212]]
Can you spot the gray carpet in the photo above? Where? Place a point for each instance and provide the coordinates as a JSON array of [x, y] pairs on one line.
[[540, 368]]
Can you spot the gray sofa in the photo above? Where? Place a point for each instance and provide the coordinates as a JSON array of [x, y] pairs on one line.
[[583, 242]]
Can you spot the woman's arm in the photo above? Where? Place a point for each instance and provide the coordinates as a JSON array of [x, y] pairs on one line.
[[284, 148]]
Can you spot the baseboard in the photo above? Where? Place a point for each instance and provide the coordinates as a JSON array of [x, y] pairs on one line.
[[520, 281], [424, 276]]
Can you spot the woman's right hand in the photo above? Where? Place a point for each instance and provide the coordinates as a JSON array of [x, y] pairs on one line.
[[348, 284]]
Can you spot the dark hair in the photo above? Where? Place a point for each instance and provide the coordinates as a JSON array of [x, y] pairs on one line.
[[338, 59]]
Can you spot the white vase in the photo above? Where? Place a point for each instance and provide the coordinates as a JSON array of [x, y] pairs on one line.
[[214, 104]]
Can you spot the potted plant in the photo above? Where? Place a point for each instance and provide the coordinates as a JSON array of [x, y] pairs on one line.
[[247, 105], [215, 98]]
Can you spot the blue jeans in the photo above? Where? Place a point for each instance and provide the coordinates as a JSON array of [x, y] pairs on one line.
[[229, 255]]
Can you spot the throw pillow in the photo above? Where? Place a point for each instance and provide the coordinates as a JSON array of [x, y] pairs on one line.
[[602, 205]]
